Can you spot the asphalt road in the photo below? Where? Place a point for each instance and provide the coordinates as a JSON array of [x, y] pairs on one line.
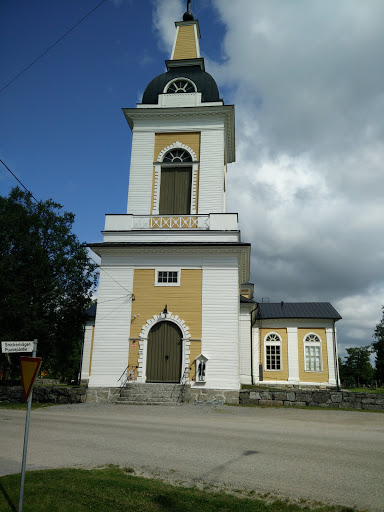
[[331, 456]]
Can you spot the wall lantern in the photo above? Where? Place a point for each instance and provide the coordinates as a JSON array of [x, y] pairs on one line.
[[201, 368]]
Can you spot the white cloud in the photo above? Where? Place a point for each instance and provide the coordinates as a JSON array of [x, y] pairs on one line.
[[308, 83], [165, 13]]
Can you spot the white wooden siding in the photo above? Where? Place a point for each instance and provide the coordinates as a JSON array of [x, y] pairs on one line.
[[220, 325], [87, 349], [211, 178], [245, 346], [111, 340], [141, 173], [293, 355], [331, 355]]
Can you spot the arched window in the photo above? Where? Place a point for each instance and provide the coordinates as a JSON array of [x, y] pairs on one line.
[[177, 155], [176, 183], [179, 86], [272, 351], [312, 353]]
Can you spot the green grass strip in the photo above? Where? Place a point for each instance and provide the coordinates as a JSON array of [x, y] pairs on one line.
[[112, 489]]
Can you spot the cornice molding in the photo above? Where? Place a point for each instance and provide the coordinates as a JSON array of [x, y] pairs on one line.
[[227, 112], [243, 251]]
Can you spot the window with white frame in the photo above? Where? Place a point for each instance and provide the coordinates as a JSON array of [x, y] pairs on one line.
[[273, 352], [312, 353], [167, 278]]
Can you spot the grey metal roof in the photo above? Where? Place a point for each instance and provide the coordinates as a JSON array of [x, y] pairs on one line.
[[297, 310]]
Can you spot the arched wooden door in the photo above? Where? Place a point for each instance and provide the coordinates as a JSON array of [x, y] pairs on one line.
[[164, 353]]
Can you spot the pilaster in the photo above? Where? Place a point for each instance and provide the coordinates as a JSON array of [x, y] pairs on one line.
[[293, 355]]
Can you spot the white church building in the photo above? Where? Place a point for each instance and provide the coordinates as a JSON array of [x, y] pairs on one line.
[[174, 302]]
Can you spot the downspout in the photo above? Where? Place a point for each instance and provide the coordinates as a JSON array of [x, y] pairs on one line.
[[335, 355], [253, 310]]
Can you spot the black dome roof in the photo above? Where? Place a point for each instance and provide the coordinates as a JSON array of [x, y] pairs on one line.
[[203, 81]]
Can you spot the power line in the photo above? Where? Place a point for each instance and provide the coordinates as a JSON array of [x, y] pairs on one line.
[[29, 192], [109, 275], [52, 45]]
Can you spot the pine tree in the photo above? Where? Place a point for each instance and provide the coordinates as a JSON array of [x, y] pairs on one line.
[[357, 368]]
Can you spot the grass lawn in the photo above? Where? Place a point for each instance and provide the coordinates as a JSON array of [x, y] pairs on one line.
[[114, 489], [22, 405]]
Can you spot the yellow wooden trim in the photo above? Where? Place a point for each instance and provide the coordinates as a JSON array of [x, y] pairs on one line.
[[283, 373], [90, 354], [185, 47], [312, 376], [184, 300], [163, 140], [178, 222]]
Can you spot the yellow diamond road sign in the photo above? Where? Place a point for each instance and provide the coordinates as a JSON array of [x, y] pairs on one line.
[[30, 367]]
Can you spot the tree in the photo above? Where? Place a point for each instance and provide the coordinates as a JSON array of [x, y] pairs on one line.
[[378, 347], [46, 283], [357, 368]]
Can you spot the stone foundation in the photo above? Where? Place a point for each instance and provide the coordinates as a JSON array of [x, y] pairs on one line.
[[313, 398], [193, 395], [102, 395], [199, 396]]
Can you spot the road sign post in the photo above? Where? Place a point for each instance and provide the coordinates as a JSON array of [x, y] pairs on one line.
[[29, 369]]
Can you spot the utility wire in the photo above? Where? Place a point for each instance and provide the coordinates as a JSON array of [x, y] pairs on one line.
[[29, 192], [52, 45], [109, 275]]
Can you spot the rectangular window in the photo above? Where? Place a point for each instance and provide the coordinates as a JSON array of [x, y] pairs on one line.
[[167, 278], [273, 357], [312, 359]]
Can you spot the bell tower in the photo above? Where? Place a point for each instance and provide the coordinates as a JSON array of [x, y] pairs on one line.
[[169, 297]]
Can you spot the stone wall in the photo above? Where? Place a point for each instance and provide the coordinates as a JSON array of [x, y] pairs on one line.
[[45, 394], [313, 398]]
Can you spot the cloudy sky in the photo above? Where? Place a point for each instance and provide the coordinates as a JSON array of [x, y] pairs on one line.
[[307, 80]]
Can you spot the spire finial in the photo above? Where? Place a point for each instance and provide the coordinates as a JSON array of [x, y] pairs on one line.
[[188, 16]]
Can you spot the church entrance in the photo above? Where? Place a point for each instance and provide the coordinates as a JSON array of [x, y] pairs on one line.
[[164, 353]]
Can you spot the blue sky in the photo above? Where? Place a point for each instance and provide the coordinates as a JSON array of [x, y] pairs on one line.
[[62, 130], [308, 84]]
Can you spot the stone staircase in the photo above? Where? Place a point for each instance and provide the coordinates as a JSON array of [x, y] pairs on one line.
[[152, 394]]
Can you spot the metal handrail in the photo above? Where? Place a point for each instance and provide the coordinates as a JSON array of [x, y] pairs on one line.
[[123, 382]]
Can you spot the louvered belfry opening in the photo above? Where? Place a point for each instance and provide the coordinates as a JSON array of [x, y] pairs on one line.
[[164, 354], [175, 191]]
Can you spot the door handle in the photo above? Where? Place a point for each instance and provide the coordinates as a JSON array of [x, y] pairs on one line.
[[166, 358]]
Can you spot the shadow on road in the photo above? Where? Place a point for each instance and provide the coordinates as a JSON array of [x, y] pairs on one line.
[[215, 472]]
